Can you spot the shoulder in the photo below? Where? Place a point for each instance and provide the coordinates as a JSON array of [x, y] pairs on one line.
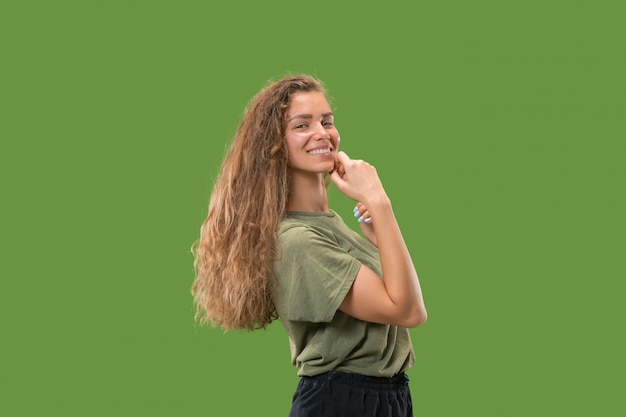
[[298, 239], [288, 225], [292, 230], [295, 230]]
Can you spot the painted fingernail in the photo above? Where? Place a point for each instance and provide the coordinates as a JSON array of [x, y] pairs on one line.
[[357, 213], [355, 209], [368, 220], [360, 219]]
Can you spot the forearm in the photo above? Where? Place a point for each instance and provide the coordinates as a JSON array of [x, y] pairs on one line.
[[399, 275]]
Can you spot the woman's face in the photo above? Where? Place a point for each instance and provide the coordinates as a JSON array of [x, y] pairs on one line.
[[312, 138]]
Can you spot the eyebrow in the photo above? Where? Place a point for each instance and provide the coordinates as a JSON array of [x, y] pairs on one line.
[[309, 116]]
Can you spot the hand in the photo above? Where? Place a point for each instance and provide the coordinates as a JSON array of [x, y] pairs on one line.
[[365, 221], [355, 178]]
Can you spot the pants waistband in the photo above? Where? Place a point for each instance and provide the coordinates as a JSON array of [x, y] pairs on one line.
[[394, 382]]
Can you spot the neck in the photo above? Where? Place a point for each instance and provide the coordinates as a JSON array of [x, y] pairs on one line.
[[308, 192]]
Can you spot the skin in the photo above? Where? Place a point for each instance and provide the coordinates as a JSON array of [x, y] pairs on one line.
[[398, 299], [310, 126]]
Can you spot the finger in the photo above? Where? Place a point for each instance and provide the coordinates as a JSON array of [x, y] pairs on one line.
[[363, 217], [361, 213], [342, 157], [336, 179], [341, 170], [359, 208], [338, 167]]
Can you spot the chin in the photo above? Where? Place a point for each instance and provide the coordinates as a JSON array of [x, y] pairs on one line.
[[329, 168]]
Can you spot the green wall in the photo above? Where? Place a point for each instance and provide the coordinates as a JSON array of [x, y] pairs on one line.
[[497, 128]]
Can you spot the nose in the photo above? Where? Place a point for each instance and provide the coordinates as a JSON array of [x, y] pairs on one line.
[[321, 132]]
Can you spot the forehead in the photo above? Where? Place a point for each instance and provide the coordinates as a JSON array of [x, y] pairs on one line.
[[308, 102]]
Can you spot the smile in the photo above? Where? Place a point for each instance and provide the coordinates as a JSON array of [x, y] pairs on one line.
[[321, 151]]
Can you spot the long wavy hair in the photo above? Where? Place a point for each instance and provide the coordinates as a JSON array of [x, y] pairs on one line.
[[237, 246]]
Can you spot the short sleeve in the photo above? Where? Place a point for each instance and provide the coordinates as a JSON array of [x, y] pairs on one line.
[[313, 275]]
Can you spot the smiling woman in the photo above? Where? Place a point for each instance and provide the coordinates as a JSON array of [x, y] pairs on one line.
[[311, 130], [312, 141], [271, 247]]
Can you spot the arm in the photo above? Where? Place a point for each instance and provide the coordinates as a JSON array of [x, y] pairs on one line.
[[398, 299]]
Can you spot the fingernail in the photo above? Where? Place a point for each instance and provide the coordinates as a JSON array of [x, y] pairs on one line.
[[360, 219], [355, 209], [368, 220], [357, 213]]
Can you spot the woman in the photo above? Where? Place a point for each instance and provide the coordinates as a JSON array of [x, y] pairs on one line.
[[271, 247]]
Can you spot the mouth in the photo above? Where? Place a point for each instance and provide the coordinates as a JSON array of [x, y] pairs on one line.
[[321, 151]]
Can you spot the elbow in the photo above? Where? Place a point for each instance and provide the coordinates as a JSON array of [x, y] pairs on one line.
[[414, 319]]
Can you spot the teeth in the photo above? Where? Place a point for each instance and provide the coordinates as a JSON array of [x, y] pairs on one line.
[[319, 151]]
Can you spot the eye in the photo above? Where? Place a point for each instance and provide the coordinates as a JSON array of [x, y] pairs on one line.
[[327, 123], [300, 126]]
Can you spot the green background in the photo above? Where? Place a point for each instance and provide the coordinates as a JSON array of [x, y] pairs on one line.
[[497, 128]]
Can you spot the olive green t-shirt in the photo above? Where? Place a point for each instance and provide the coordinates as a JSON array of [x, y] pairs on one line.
[[318, 259]]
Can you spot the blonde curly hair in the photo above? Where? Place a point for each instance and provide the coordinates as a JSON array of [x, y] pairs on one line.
[[234, 255]]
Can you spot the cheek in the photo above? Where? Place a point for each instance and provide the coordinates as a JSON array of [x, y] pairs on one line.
[[293, 141], [337, 140]]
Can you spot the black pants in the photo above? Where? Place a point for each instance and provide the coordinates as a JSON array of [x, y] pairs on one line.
[[337, 394]]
